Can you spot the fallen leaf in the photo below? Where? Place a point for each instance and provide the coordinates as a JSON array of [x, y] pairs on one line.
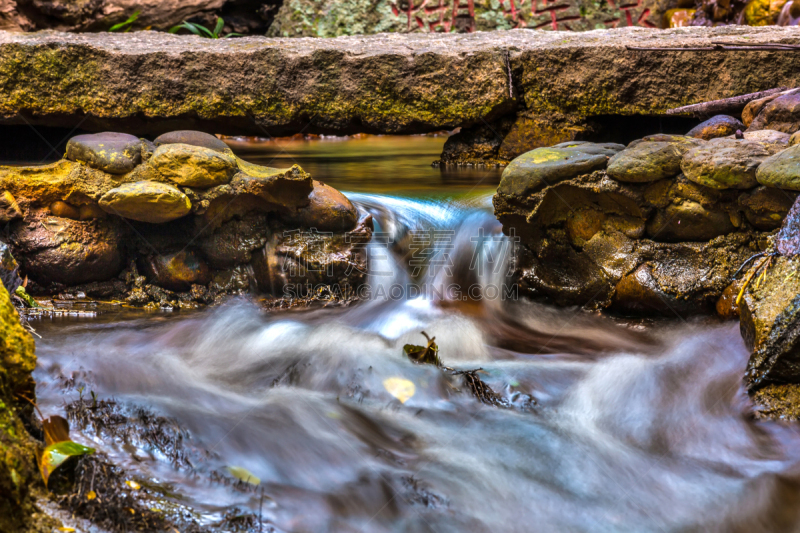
[[91, 495], [56, 429], [66, 529], [428, 354], [242, 474], [54, 456], [400, 388], [133, 485]]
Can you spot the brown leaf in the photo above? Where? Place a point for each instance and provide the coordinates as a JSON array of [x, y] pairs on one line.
[[56, 429]]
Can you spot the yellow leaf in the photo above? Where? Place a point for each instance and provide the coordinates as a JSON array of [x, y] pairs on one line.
[[66, 529], [242, 474], [91, 495], [131, 510], [133, 485], [400, 388]]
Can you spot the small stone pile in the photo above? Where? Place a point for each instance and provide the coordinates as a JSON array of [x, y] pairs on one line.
[[179, 221], [659, 226]]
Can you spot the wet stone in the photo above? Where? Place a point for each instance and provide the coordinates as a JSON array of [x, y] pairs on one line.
[[648, 161], [193, 166], [726, 163], [193, 138], [781, 170], [541, 167], [766, 207], [177, 271], [328, 210], [781, 114], [9, 269], [115, 153], [146, 201], [9, 209], [718, 126], [688, 221]]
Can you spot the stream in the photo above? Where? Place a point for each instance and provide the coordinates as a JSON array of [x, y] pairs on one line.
[[606, 424]]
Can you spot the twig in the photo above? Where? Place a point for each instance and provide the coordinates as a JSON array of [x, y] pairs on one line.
[[734, 103], [727, 47]]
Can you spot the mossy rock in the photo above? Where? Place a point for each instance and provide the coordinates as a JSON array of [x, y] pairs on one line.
[[147, 201], [115, 153], [541, 167], [726, 163]]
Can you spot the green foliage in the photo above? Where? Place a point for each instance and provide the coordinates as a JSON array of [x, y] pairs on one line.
[[202, 31], [55, 455], [127, 24]]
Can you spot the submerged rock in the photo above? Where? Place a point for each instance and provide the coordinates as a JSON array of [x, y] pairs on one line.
[[193, 138], [648, 160], [115, 153], [718, 126], [726, 163], [541, 167], [146, 201], [193, 166], [781, 170]]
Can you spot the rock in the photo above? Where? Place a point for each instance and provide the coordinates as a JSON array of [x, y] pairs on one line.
[[766, 207], [234, 241], [18, 470], [781, 170], [726, 163], [781, 114], [766, 136], [328, 210], [477, 145], [193, 138], [688, 221], [193, 166], [769, 318], [726, 306], [794, 138], [115, 153], [718, 126], [541, 167], [9, 269], [787, 241], [177, 271], [9, 208], [60, 250], [648, 161], [146, 201], [639, 293], [137, 82], [762, 12], [752, 109]]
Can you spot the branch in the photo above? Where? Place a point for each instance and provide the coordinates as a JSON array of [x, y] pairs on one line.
[[726, 105]]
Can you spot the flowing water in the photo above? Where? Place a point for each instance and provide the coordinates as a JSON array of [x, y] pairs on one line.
[[606, 424]]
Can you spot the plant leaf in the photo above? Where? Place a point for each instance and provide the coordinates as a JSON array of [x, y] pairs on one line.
[[55, 455], [232, 34], [128, 21], [243, 474], [218, 27], [400, 388], [56, 429], [205, 31]]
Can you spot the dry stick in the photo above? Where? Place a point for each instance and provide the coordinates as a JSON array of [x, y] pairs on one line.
[[727, 47], [734, 103]]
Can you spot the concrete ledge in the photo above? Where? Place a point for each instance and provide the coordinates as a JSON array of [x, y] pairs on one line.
[[150, 82]]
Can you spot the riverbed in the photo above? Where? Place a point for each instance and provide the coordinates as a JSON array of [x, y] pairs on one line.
[[603, 423]]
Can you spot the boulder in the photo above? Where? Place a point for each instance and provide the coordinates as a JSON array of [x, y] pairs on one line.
[[688, 221], [766, 207], [648, 160], [328, 210], [781, 170], [193, 138], [177, 271], [781, 114], [766, 136], [726, 163], [770, 324], [753, 108], [9, 269], [542, 167], [193, 166], [234, 241], [146, 201], [718, 126], [9, 208], [60, 250], [115, 153]]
